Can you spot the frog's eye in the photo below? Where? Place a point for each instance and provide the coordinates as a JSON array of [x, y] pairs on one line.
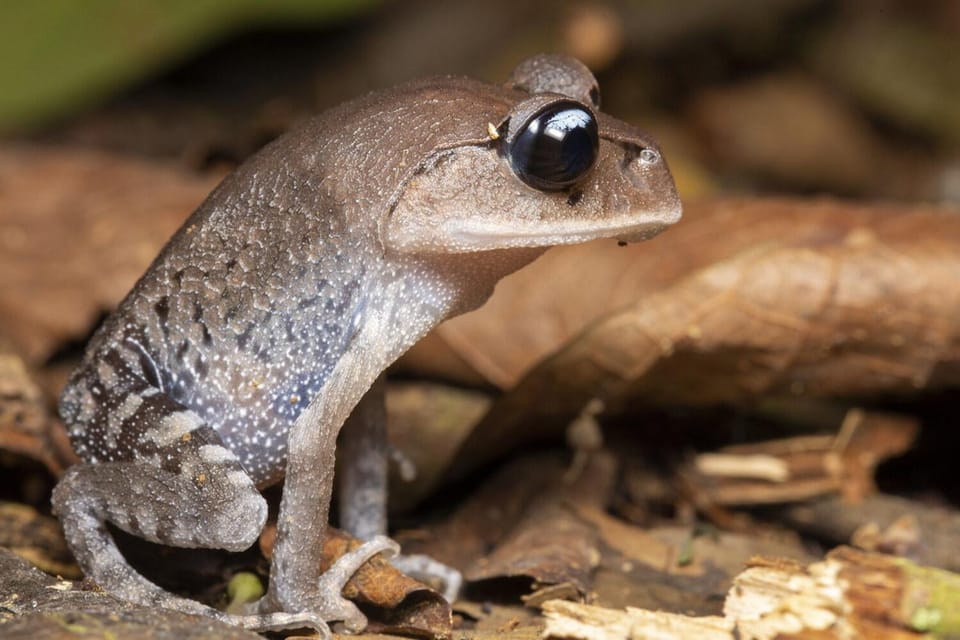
[[555, 147]]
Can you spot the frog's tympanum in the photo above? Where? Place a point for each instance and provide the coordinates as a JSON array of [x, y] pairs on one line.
[[265, 323]]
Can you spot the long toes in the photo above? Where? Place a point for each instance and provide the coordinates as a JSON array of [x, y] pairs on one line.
[[279, 621], [333, 605]]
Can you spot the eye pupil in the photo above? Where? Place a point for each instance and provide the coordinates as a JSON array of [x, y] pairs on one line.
[[556, 147]]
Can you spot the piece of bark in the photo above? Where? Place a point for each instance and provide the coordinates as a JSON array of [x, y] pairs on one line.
[[802, 467], [77, 228], [573, 621], [850, 594], [813, 300], [930, 539]]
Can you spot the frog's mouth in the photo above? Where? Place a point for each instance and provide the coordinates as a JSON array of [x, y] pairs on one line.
[[481, 234]]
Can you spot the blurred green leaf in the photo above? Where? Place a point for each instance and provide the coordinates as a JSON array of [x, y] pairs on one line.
[[61, 55]]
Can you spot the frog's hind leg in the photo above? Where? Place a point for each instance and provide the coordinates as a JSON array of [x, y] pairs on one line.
[[363, 488], [160, 474]]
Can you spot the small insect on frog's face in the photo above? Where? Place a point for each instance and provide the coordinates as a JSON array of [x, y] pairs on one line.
[[538, 166]]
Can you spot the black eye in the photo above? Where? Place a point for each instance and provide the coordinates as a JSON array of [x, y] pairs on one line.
[[556, 147]]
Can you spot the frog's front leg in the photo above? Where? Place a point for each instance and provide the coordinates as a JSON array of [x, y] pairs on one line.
[[296, 583], [362, 487]]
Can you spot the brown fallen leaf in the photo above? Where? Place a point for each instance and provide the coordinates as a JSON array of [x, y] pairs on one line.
[[484, 518], [529, 527], [77, 228], [807, 299], [900, 251], [26, 426], [551, 544], [36, 538], [404, 605]]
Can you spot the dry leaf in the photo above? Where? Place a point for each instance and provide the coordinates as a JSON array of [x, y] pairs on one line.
[[906, 256], [77, 228], [483, 519], [809, 299], [26, 426]]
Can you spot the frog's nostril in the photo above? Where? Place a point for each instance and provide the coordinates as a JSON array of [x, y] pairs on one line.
[[648, 156]]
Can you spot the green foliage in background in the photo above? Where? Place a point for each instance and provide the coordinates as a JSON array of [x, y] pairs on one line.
[[60, 55]]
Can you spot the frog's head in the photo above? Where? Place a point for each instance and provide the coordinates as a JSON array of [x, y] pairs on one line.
[[542, 167]]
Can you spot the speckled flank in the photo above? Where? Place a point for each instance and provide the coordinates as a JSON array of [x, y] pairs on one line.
[[243, 363]]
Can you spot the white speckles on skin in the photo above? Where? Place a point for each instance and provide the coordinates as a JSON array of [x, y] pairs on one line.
[[215, 454], [173, 427], [147, 522], [108, 375], [86, 406], [238, 479], [116, 418], [188, 467]]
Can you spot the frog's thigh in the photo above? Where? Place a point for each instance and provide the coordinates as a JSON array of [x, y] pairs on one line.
[[182, 488], [191, 492]]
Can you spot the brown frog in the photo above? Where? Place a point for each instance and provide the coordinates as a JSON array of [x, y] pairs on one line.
[[269, 317]]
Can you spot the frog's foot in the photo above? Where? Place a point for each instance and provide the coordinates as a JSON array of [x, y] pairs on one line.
[[279, 621], [431, 572], [330, 604]]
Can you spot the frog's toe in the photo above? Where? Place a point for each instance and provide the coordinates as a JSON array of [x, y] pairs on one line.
[[332, 605], [445, 579], [347, 564], [280, 621]]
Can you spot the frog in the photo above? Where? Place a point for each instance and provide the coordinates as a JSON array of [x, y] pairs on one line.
[[264, 326]]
